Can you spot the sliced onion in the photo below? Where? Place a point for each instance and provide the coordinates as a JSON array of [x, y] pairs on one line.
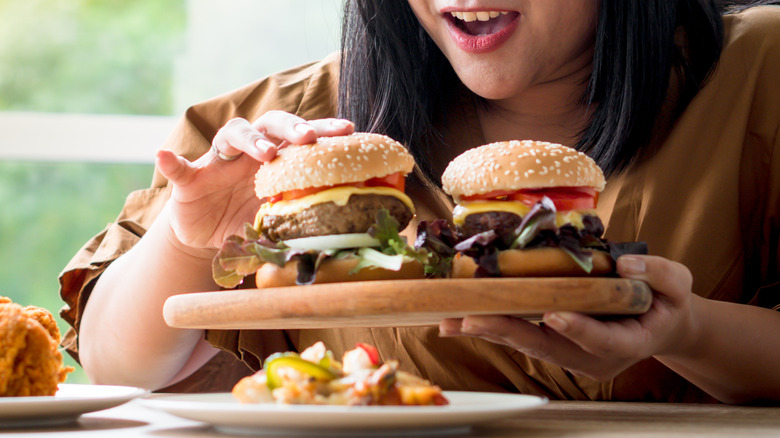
[[333, 241]]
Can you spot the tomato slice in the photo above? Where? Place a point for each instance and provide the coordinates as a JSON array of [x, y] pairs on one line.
[[373, 354], [296, 194], [271, 199], [394, 180], [495, 195], [564, 198]]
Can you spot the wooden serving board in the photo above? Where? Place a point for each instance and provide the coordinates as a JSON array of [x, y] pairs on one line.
[[403, 303]]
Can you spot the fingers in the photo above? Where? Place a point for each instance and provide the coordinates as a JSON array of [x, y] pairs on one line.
[[671, 279], [175, 168], [239, 136], [528, 338], [538, 341], [332, 127], [272, 131], [597, 348], [633, 338], [625, 338], [450, 327], [284, 128]]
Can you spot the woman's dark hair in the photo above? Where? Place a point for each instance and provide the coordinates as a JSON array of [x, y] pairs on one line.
[[393, 77]]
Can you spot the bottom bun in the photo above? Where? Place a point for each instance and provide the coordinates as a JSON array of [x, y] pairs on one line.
[[334, 271], [538, 262]]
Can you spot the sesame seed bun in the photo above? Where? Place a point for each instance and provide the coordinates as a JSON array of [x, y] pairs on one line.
[[536, 262], [332, 161], [516, 165]]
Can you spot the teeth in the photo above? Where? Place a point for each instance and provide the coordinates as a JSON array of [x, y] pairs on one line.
[[474, 16]]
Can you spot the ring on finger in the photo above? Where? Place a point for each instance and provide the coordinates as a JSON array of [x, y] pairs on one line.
[[222, 156]]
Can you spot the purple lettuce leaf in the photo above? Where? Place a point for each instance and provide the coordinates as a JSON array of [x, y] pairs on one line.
[[477, 241], [540, 218], [617, 249], [487, 263], [438, 239]]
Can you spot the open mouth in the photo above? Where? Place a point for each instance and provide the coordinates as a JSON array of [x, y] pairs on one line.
[[481, 23]]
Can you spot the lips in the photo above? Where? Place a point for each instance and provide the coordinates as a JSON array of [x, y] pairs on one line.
[[481, 31]]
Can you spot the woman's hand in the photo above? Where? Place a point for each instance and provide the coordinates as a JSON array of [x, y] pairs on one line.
[[602, 349], [214, 196]]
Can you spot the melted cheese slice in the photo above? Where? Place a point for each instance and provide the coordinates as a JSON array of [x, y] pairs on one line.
[[461, 211], [338, 195]]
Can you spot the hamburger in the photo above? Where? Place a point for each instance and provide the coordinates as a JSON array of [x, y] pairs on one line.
[[527, 208], [330, 211]]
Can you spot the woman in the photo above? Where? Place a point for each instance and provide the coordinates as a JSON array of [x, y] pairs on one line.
[[685, 132]]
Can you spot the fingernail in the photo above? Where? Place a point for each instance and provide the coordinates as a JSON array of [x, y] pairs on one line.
[[445, 333], [556, 321], [468, 327], [303, 128], [631, 265], [340, 123], [264, 145]]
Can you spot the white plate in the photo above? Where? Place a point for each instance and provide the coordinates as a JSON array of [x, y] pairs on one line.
[[225, 413], [66, 406]]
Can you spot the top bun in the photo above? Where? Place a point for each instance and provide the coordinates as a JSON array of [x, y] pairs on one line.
[[516, 165], [331, 161]]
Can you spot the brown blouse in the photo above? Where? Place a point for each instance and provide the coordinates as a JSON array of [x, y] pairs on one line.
[[707, 196]]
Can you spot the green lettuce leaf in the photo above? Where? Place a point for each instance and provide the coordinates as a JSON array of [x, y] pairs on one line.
[[373, 259], [439, 240], [391, 242], [541, 217], [240, 257]]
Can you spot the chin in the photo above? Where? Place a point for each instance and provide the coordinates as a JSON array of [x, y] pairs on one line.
[[489, 83], [490, 93]]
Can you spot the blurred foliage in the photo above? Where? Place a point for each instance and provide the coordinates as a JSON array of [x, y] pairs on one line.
[[89, 56], [50, 210]]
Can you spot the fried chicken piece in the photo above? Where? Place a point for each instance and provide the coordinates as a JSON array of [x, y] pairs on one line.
[[30, 361], [46, 319]]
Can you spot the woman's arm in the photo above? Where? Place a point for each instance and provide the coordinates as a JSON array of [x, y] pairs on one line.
[[736, 355], [123, 338], [728, 350]]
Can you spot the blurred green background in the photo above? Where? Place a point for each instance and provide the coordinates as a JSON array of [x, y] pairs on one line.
[[100, 57], [49, 211], [89, 56]]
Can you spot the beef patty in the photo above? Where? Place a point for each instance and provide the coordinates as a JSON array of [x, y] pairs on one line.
[[501, 222], [328, 218]]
